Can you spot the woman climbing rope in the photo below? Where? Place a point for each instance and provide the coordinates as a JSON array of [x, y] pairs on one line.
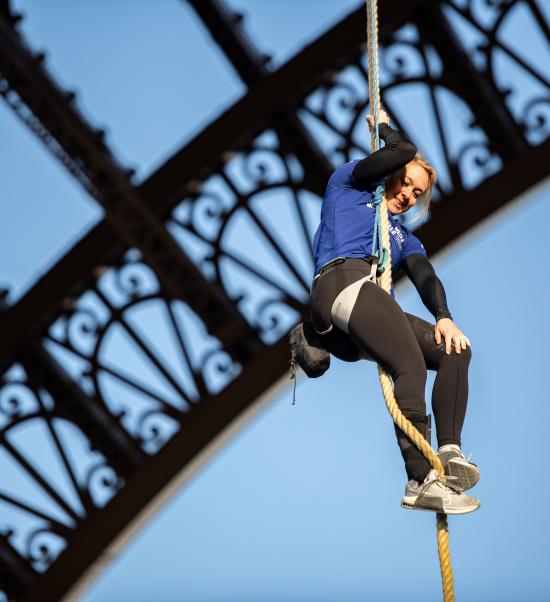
[[357, 319]]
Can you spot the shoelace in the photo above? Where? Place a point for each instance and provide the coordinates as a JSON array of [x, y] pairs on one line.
[[437, 479], [463, 457]]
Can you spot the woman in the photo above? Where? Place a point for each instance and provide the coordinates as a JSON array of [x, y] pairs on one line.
[[357, 319]]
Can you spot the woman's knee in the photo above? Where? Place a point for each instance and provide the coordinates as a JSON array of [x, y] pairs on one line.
[[463, 357], [439, 357]]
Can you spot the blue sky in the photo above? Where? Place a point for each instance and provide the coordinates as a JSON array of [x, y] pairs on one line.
[[304, 503]]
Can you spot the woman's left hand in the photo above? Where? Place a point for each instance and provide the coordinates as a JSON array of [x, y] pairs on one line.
[[445, 328], [383, 117]]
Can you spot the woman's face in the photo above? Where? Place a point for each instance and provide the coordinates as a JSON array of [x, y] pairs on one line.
[[405, 187]]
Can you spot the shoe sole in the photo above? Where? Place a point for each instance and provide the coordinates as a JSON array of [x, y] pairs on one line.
[[463, 475], [444, 510]]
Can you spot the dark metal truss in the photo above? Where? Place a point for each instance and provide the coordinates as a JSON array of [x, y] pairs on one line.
[[167, 246]]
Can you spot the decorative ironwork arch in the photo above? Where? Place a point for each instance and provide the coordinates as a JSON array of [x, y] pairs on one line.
[[172, 247]]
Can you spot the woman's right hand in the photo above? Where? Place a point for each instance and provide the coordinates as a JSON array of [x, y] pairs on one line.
[[382, 118]]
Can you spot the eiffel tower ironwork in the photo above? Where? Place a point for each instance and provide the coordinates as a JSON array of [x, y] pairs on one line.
[[166, 246]]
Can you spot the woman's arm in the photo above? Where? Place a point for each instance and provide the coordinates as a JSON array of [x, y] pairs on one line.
[[397, 152], [422, 274]]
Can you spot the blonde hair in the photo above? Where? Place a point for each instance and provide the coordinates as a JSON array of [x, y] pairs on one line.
[[425, 198], [423, 202]]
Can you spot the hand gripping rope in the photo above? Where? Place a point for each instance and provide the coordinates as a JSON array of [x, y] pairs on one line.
[[383, 235]]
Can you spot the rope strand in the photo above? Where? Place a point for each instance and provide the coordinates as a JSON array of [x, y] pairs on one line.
[[385, 281]]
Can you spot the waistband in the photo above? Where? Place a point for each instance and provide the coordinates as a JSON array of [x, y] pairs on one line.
[[349, 261]]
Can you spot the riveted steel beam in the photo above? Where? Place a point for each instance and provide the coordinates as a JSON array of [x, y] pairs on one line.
[[89, 160], [226, 29]]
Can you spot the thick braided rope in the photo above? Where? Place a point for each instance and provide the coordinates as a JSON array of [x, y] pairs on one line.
[[385, 282]]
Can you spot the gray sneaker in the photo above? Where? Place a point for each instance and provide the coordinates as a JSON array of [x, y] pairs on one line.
[[461, 473], [433, 495]]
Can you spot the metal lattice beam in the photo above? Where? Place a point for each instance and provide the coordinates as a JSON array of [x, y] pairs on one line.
[[130, 217], [272, 103], [98, 540], [225, 28], [163, 189]]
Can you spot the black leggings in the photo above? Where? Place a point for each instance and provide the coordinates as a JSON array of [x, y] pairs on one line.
[[404, 345]]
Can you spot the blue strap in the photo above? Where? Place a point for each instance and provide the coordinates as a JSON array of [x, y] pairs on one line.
[[380, 252], [374, 68], [377, 249]]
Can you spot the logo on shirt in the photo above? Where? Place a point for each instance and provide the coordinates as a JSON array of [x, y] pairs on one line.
[[398, 236]]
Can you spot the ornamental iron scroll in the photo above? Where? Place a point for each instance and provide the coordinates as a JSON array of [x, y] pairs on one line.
[[258, 201], [148, 358], [493, 32], [52, 477], [148, 378], [145, 357], [443, 120], [412, 74]]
